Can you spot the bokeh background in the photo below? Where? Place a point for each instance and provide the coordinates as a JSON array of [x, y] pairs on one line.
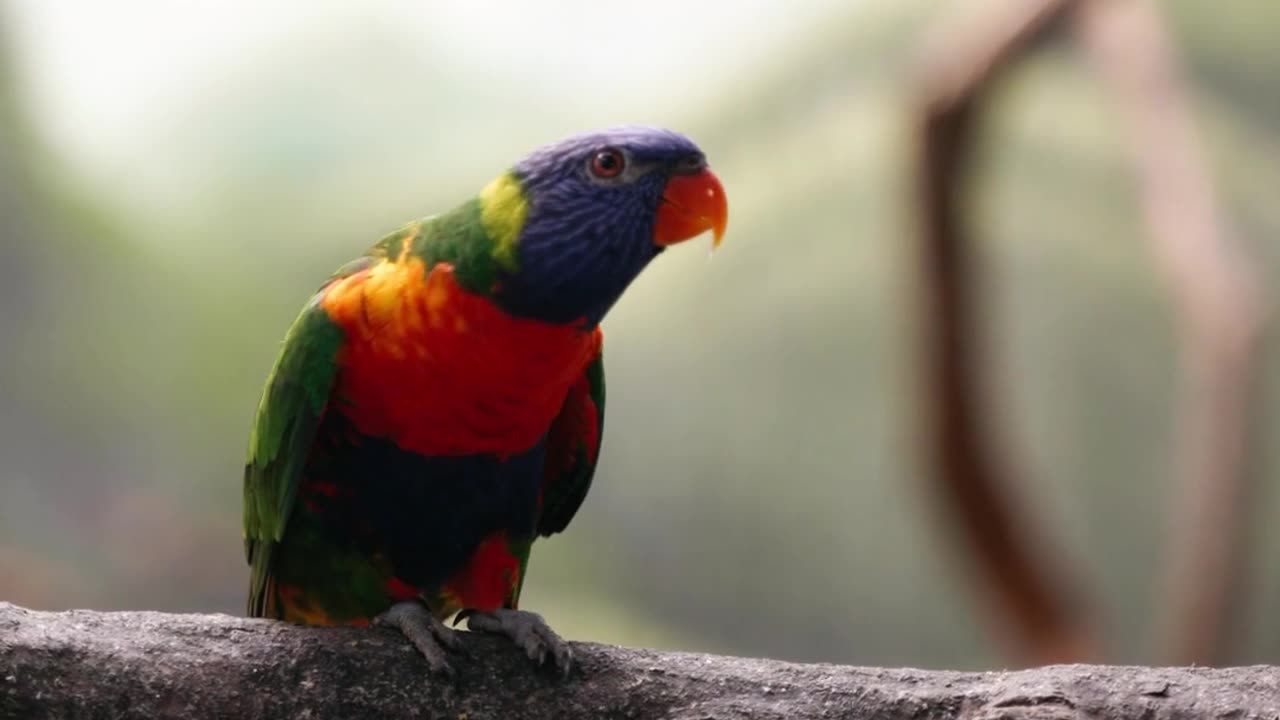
[[176, 176]]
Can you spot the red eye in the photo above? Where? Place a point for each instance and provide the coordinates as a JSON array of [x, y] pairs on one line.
[[607, 163]]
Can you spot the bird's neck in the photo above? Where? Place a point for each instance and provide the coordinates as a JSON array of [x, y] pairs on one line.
[[560, 269], [573, 272]]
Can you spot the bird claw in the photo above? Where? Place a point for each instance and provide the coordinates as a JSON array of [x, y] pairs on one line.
[[430, 636], [528, 631]]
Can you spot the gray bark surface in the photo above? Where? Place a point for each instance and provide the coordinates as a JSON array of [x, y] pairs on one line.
[[154, 665]]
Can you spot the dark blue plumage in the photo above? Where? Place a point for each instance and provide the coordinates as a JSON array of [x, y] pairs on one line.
[[586, 238]]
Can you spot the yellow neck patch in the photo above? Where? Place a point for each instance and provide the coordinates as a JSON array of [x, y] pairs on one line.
[[503, 209]]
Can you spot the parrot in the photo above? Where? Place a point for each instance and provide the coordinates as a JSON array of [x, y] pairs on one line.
[[438, 404]]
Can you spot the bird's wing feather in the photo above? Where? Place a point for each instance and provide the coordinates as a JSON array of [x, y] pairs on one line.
[[292, 405], [573, 447]]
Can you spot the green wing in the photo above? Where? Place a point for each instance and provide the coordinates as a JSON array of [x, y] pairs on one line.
[[289, 412], [573, 448]]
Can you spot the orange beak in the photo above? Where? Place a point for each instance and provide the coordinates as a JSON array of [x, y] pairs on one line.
[[691, 205]]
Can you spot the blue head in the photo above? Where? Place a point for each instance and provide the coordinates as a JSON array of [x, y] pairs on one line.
[[595, 209]]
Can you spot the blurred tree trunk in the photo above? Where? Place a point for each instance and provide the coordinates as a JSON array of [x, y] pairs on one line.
[[17, 201], [1036, 599], [20, 218]]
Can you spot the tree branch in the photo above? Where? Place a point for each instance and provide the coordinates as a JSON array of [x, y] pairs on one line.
[[152, 665]]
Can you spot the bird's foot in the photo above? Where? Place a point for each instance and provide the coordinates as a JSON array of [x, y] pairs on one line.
[[429, 635], [528, 631]]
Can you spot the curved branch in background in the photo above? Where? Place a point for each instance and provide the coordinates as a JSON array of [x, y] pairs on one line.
[[1221, 317], [1034, 602]]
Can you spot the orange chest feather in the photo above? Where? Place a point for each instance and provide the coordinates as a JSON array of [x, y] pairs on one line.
[[442, 371]]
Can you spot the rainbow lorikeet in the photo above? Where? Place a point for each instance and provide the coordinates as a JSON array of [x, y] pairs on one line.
[[439, 403]]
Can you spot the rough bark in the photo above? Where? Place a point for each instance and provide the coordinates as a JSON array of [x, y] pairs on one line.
[[153, 665]]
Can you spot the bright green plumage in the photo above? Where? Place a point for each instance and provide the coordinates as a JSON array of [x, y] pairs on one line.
[[289, 413]]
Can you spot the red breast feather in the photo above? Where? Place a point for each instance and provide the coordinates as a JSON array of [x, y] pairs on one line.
[[442, 371]]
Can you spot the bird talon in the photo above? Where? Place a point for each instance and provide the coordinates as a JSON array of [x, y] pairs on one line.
[[424, 631], [528, 631]]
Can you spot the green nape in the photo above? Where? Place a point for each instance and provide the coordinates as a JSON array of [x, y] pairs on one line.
[[479, 238]]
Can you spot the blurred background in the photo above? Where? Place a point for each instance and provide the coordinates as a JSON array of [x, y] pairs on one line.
[[176, 177]]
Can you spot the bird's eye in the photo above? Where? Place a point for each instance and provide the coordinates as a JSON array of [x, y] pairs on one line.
[[607, 163]]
